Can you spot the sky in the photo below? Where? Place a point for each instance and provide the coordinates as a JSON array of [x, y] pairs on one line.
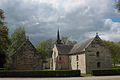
[[77, 19]]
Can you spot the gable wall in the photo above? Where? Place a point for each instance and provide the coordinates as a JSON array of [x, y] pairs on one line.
[[92, 59], [27, 58]]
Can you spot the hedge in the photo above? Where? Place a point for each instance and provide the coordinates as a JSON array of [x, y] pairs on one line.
[[60, 73], [105, 72]]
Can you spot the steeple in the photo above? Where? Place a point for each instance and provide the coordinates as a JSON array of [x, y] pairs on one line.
[[58, 38], [58, 35]]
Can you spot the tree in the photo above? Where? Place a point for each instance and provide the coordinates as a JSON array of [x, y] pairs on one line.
[[118, 5], [2, 17], [42, 48], [4, 40], [115, 50], [17, 39], [66, 41]]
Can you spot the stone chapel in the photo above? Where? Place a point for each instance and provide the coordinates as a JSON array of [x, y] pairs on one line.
[[85, 56]]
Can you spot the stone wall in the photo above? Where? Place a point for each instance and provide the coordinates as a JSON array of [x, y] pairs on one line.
[[101, 60], [79, 63], [26, 58], [65, 62]]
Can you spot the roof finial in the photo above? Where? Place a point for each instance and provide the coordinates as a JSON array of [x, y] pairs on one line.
[[96, 33], [27, 37]]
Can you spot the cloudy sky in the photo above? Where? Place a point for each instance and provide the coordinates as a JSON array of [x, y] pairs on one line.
[[77, 19]]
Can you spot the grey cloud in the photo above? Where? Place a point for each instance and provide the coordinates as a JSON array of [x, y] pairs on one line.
[[41, 19]]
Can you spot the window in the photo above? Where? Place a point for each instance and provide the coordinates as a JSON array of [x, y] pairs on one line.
[[77, 65], [60, 58], [77, 58], [97, 54], [98, 65]]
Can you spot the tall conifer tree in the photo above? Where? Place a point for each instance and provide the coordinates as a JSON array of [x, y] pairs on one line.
[[4, 40]]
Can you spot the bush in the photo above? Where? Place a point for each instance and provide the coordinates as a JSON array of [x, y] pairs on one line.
[[105, 72], [60, 73]]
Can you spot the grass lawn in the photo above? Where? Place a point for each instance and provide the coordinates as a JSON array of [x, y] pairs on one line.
[[85, 75], [116, 67], [46, 70]]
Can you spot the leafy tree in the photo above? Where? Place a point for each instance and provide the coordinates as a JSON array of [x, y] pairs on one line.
[[118, 5], [45, 47], [50, 44], [4, 40], [42, 48], [2, 17], [66, 41], [17, 38], [115, 50]]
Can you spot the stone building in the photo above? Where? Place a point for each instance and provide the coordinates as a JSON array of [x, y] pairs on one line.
[[88, 55], [26, 58]]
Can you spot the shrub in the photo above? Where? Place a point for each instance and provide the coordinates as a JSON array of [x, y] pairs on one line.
[[60, 73], [105, 72]]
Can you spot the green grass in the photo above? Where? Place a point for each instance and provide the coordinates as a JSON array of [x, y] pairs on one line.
[[116, 67], [46, 70], [85, 75]]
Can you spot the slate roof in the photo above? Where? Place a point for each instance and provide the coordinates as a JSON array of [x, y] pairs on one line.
[[79, 47], [64, 49]]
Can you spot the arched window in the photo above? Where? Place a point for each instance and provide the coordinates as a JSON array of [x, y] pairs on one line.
[[98, 64], [97, 54]]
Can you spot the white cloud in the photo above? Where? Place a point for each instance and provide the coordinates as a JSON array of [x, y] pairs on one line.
[[114, 32]]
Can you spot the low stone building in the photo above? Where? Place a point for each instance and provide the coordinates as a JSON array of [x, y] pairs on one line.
[[88, 55], [26, 58]]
